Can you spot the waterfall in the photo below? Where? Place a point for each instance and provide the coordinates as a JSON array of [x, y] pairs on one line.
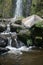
[[8, 28], [18, 10], [9, 41]]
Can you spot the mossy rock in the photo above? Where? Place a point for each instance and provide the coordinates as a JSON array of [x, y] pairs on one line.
[[18, 22], [39, 24], [24, 37]]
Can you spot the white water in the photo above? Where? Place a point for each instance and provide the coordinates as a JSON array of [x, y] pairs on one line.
[[8, 27], [9, 41], [18, 10], [19, 45]]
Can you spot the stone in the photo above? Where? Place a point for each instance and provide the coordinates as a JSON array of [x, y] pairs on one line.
[[15, 27], [3, 50], [3, 42], [2, 27], [18, 22]]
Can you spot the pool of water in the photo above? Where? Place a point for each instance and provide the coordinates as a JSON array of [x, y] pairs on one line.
[[34, 57]]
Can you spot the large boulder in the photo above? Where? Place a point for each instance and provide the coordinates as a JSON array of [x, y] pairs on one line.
[[31, 20]]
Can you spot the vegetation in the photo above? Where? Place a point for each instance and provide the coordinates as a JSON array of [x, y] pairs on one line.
[[37, 34], [7, 7], [39, 24], [37, 7]]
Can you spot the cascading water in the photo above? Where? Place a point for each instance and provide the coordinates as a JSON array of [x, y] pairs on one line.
[[9, 41], [12, 36], [8, 28], [18, 10]]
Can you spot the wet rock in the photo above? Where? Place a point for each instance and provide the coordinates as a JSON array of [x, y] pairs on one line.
[[13, 43], [3, 42], [3, 50], [2, 27]]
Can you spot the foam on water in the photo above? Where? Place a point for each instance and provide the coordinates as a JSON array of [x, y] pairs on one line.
[[16, 51]]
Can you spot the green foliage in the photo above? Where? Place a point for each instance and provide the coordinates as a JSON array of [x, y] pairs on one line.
[[5, 8], [29, 42], [37, 7], [39, 24]]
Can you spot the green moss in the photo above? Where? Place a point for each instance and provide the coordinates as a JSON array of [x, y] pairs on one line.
[[39, 24], [29, 42], [37, 7]]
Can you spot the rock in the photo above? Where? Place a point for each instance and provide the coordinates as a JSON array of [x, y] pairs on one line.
[[31, 21], [3, 42], [23, 39], [15, 27], [2, 27], [18, 22], [3, 50], [14, 44]]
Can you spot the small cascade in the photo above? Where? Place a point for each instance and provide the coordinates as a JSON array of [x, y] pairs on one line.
[[15, 45], [12, 41], [8, 27], [9, 41], [18, 10]]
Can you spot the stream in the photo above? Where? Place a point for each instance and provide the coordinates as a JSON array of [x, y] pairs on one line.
[[34, 57]]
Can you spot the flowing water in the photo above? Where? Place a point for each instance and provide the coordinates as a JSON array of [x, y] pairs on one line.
[[19, 54], [18, 10]]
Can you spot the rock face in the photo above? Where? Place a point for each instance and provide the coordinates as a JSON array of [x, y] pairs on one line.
[[3, 42]]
